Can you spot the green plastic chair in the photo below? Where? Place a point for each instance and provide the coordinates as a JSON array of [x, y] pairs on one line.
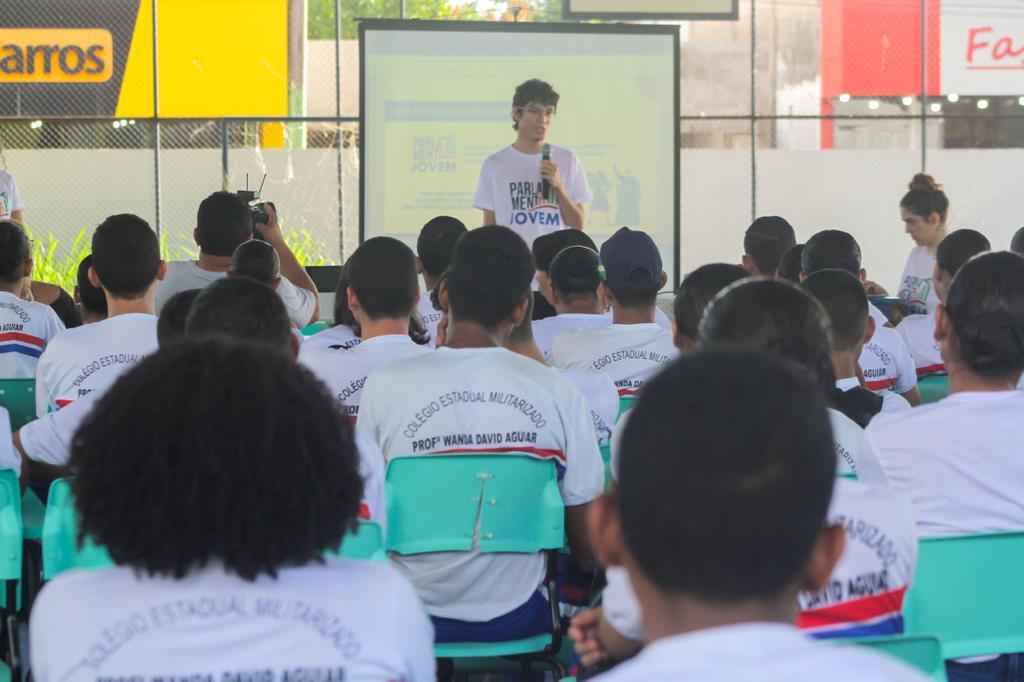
[[365, 544], [968, 591], [18, 396], [483, 502], [922, 652], [606, 457], [10, 561], [933, 388], [316, 327], [60, 536]]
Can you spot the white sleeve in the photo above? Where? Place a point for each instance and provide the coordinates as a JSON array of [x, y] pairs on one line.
[[484, 198], [907, 378], [54, 325], [299, 302], [371, 466], [870, 471], [42, 388], [9, 457], [620, 605], [48, 439], [413, 630], [584, 468], [16, 202], [580, 190]]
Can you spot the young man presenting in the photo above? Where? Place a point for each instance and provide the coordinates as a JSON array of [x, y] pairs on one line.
[[512, 181]]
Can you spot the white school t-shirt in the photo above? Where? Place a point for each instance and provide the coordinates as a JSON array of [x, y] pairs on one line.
[[629, 354], [891, 402], [545, 331], [510, 185], [339, 337], [958, 461], [429, 316], [10, 198], [602, 398], [183, 275], [343, 620], [766, 652], [877, 315], [91, 358], [430, 404], [886, 363], [25, 329], [864, 595], [345, 372], [918, 333], [847, 436], [916, 287]]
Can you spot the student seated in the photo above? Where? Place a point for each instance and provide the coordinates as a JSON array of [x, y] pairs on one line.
[[127, 265], [918, 331], [885, 361], [545, 248], [91, 301], [382, 294], [257, 260], [694, 294], [345, 332], [719, 528], [789, 264], [486, 597], [224, 221], [572, 282], [204, 589], [846, 302], [1017, 242], [434, 252], [27, 327], [634, 347], [767, 239]]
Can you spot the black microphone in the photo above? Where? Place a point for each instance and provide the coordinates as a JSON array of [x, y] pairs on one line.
[[545, 186]]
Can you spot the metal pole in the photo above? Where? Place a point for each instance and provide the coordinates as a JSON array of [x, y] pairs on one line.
[[924, 85], [156, 116], [224, 155], [401, 10], [337, 136], [753, 113]]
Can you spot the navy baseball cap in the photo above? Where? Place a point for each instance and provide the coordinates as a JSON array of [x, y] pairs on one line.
[[631, 261]]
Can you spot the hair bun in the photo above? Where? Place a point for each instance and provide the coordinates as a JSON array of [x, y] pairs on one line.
[[925, 183], [993, 342]]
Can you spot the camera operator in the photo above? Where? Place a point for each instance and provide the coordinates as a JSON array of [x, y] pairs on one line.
[[223, 222]]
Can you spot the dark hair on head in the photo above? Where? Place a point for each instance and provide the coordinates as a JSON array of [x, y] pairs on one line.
[[256, 259], [92, 298], [574, 272], [241, 308], [125, 255], [830, 249], [490, 275], [925, 197], [774, 316], [534, 90], [15, 251], [342, 313], [846, 303], [223, 222], [766, 240], [698, 289], [958, 247], [382, 273], [790, 266], [729, 453], [986, 308], [170, 325], [208, 415], [547, 246], [1017, 243], [436, 242]]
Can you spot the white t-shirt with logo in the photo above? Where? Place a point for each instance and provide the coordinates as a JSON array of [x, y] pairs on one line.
[[602, 398], [429, 316], [891, 402], [864, 595], [510, 185], [877, 315], [958, 461], [766, 652], [345, 372], [183, 275], [25, 329], [886, 363], [918, 332], [545, 331], [343, 620], [339, 337], [481, 400], [91, 358], [629, 354], [916, 287], [847, 436], [10, 198]]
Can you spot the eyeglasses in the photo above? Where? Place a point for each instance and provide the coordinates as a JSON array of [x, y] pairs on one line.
[[542, 112]]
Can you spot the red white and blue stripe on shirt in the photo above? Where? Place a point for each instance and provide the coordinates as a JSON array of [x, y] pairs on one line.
[[880, 614], [24, 344]]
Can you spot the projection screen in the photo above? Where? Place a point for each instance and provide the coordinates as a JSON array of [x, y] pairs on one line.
[[436, 100]]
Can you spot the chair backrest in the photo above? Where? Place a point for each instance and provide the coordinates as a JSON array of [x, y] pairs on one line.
[[933, 388], [18, 396], [922, 652], [60, 530], [967, 590], [10, 526], [626, 403], [507, 502], [315, 328], [365, 544]]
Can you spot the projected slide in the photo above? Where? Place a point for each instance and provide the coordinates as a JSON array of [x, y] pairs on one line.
[[438, 101]]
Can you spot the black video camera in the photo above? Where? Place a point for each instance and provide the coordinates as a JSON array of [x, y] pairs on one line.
[[256, 207]]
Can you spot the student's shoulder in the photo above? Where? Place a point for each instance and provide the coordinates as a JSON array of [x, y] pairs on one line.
[[848, 662], [888, 337], [364, 577], [497, 157], [914, 323]]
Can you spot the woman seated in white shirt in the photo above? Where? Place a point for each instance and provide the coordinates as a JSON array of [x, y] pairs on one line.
[[217, 474], [924, 211]]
